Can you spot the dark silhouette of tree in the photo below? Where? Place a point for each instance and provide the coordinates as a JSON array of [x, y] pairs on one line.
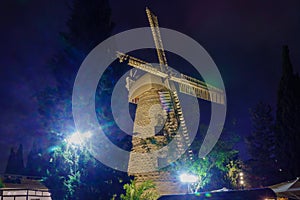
[[261, 146], [1, 183], [36, 162], [15, 163], [288, 120], [20, 160], [89, 24], [11, 163], [74, 173]]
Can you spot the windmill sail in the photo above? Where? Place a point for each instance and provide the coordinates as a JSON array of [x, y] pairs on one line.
[[157, 39], [199, 89], [187, 85]]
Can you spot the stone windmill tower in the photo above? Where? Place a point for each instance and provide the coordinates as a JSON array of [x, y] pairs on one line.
[[159, 116]]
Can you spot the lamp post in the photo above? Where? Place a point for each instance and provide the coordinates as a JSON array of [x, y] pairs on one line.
[[188, 179]]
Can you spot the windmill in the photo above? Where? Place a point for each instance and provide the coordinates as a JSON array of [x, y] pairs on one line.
[[159, 115]]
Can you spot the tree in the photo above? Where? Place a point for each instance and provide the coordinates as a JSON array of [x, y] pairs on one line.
[[142, 191], [261, 146], [15, 163], [218, 169], [234, 169], [1, 183], [36, 165], [88, 25], [288, 120], [74, 173]]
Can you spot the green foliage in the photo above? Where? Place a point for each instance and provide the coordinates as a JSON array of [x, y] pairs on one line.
[[63, 175], [65, 171], [74, 174], [233, 169], [1, 183], [216, 170], [141, 191]]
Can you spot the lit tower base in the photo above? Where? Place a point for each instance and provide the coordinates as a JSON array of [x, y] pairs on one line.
[[153, 127]]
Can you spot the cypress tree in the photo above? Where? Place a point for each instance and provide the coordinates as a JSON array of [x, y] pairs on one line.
[[288, 120], [261, 146], [15, 163], [11, 167], [35, 162], [20, 160]]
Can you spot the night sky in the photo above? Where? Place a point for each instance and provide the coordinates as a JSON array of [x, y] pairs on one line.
[[243, 38]]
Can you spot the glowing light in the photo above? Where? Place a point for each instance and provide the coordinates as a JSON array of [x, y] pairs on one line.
[[241, 174], [207, 195], [197, 193], [242, 182], [188, 178], [77, 138]]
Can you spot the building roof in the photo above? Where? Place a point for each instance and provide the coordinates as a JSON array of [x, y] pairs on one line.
[[12, 181], [290, 189]]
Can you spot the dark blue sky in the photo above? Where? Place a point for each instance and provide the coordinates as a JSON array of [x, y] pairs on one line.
[[243, 38]]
